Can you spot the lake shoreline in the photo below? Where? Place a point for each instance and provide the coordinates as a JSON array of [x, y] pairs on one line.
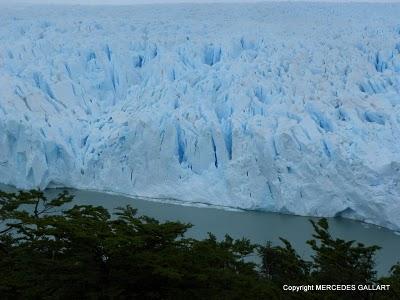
[[257, 226], [197, 204]]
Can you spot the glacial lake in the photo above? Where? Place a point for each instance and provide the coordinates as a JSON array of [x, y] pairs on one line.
[[259, 227]]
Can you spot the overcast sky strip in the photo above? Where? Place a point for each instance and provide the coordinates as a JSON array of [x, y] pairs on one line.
[[129, 2]]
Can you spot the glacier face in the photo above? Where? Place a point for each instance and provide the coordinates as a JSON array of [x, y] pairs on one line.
[[286, 107]]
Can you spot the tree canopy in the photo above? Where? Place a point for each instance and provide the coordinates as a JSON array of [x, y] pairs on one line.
[[48, 251]]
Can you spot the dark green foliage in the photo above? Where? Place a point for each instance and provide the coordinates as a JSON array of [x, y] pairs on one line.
[[83, 253], [283, 265], [394, 281], [338, 261], [49, 252], [341, 262]]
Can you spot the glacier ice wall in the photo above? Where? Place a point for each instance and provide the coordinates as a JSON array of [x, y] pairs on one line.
[[287, 107]]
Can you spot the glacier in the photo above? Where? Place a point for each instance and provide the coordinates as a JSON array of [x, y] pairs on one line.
[[283, 107]]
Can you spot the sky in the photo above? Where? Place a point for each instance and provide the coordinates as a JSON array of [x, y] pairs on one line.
[[94, 2], [120, 1]]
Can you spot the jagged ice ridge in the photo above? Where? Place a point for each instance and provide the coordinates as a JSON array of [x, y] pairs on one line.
[[286, 107]]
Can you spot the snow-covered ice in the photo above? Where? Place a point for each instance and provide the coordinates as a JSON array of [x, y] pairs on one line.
[[286, 107]]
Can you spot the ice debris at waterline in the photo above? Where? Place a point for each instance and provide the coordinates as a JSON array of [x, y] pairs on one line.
[[287, 107]]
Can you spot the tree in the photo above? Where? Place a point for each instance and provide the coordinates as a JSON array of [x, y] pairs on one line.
[[283, 265], [340, 262], [48, 251], [394, 281], [85, 253]]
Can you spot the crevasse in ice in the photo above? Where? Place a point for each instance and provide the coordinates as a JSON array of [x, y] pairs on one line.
[[286, 107]]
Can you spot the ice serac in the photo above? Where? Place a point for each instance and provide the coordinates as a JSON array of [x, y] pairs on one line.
[[287, 107]]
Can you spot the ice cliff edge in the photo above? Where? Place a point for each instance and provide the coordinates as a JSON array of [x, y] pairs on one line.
[[282, 107]]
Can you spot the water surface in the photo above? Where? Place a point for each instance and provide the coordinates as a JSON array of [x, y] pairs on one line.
[[259, 227]]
